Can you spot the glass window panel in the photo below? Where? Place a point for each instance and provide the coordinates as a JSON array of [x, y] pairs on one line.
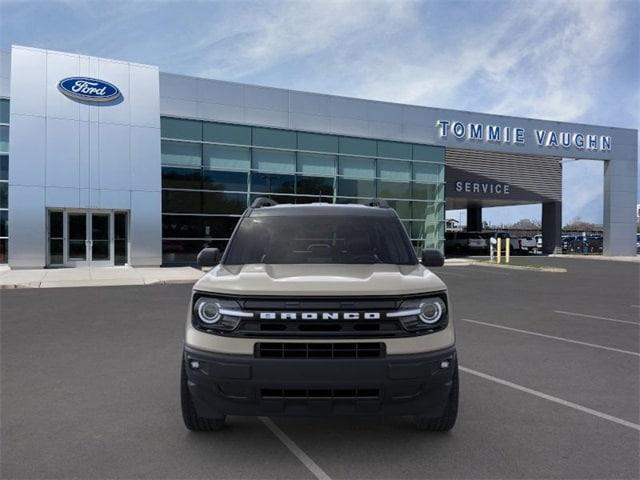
[[4, 223], [271, 137], [182, 226], [271, 183], [55, 224], [428, 172], [314, 186], [403, 209], [120, 242], [4, 167], [392, 170], [274, 161], [4, 256], [224, 133], [186, 251], [4, 139], [4, 195], [419, 209], [358, 146], [218, 202], [394, 189], [357, 167], [358, 201], [317, 143], [217, 180], [425, 191], [394, 150], [279, 199], [180, 153], [305, 200], [428, 153], [173, 177], [432, 212], [178, 128], [174, 201], [226, 158], [4, 111], [218, 227], [356, 188], [55, 252], [317, 164]]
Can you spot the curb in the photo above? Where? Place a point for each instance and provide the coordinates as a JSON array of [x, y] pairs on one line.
[[522, 267], [99, 283]]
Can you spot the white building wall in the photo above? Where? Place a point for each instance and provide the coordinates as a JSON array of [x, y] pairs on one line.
[[71, 154]]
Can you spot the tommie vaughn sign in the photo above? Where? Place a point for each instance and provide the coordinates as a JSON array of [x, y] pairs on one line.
[[516, 135], [88, 89]]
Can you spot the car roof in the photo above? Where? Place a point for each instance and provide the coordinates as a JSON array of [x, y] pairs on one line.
[[285, 210]]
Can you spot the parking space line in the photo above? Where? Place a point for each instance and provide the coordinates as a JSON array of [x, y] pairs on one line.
[[562, 339], [573, 314], [551, 398], [295, 449]]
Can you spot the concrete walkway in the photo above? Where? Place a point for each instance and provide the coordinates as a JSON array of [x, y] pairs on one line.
[[96, 277]]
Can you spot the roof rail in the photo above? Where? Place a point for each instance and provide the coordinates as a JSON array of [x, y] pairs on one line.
[[377, 202], [262, 202]]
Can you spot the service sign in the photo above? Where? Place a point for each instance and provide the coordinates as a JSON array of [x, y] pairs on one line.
[[88, 89]]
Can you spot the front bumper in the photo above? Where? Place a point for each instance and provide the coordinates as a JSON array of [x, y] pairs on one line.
[[226, 384]]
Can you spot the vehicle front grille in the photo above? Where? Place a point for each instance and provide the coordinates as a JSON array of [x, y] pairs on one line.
[[320, 350], [320, 328], [312, 393]]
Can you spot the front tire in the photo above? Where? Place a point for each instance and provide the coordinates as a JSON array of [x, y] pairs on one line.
[[448, 418], [192, 420]]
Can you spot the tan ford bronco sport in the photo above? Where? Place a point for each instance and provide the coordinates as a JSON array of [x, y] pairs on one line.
[[319, 309]]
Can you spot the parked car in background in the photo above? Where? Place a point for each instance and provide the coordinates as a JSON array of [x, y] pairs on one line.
[[529, 245]]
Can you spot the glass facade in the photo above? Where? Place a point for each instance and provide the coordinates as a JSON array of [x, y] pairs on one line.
[[211, 172], [4, 180]]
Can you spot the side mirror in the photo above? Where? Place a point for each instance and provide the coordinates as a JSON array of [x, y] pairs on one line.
[[208, 257], [432, 258]]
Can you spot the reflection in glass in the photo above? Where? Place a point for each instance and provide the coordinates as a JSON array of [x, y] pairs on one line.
[[100, 245], [217, 180], [120, 241], [174, 177], [314, 186], [77, 225]]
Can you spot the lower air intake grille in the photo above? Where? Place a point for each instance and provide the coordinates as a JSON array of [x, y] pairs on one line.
[[330, 393], [320, 350]]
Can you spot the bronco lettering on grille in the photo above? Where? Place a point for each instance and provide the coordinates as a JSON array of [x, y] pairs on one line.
[[320, 316]]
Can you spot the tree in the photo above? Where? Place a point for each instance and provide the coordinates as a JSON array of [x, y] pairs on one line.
[[526, 224], [578, 225]]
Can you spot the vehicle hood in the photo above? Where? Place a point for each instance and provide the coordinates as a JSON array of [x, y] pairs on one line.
[[320, 280]]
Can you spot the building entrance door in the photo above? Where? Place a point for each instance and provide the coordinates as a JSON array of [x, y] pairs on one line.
[[83, 238]]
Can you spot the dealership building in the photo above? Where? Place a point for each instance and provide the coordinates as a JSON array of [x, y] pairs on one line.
[[106, 162]]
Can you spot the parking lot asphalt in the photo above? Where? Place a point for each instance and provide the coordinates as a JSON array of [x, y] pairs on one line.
[[549, 388]]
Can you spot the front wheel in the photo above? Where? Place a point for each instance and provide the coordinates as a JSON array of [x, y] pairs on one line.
[[448, 418], [192, 420]]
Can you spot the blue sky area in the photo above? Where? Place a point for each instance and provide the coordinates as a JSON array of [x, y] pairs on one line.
[[560, 60]]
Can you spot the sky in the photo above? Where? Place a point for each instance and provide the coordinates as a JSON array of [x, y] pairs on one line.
[[567, 60]]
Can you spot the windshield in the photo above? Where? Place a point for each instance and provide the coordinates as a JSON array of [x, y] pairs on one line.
[[342, 239]]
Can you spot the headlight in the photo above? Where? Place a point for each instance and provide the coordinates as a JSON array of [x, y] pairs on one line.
[[432, 310], [208, 310], [216, 314], [417, 314]]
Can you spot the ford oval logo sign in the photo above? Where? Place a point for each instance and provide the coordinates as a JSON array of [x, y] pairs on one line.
[[89, 89]]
